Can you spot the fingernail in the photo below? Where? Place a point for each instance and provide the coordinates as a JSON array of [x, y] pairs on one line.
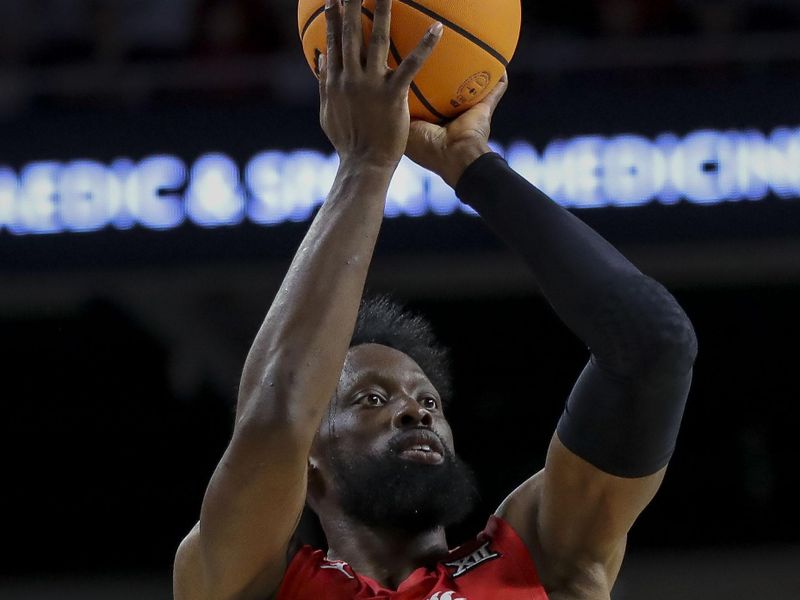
[[437, 29]]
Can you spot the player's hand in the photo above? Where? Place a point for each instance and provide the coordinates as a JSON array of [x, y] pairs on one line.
[[449, 150], [364, 103]]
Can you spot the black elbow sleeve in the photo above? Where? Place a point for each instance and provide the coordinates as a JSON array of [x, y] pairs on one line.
[[640, 330], [625, 411]]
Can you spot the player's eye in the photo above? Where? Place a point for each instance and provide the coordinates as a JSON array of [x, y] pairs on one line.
[[373, 399], [430, 403]]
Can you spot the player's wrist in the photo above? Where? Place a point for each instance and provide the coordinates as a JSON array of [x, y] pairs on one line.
[[356, 165], [365, 175], [460, 158]]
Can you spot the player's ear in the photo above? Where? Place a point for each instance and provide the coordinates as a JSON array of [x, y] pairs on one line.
[[315, 482], [315, 479]]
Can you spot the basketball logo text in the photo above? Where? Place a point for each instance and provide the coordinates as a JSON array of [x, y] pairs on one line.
[[471, 89]]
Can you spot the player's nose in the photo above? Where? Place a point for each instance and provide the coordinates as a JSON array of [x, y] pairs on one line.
[[410, 413]]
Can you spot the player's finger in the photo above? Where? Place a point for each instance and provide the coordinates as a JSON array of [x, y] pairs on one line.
[[323, 86], [379, 43], [412, 64], [494, 97], [322, 69], [352, 36], [333, 18]]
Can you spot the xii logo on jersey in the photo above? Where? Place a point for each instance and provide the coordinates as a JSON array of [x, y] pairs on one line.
[[466, 564], [445, 596]]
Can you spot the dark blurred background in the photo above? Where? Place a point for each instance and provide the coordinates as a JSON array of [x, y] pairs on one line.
[[122, 345]]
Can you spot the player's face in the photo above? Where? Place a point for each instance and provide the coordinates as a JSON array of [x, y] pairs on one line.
[[385, 403], [388, 449]]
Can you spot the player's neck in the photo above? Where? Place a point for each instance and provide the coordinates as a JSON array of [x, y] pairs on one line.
[[387, 556]]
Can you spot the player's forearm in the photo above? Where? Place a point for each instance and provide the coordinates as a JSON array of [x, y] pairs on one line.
[[295, 361], [624, 317]]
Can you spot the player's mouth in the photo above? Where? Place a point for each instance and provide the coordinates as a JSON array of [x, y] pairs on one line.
[[423, 454], [421, 446]]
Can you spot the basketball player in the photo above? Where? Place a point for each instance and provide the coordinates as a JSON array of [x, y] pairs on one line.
[[354, 426]]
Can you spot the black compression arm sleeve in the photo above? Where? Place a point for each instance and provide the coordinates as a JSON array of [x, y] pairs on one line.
[[624, 413]]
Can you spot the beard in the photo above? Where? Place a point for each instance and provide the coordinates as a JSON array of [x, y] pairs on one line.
[[389, 492]]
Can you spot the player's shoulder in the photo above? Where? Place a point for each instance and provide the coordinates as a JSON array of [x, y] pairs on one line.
[[291, 553], [496, 559], [303, 563], [498, 539], [520, 509], [187, 576]]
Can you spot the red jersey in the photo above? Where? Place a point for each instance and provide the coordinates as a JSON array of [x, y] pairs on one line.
[[494, 566]]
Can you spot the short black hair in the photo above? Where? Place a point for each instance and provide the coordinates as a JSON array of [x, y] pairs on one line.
[[383, 320]]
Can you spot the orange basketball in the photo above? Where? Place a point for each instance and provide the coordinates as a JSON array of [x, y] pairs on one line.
[[479, 40]]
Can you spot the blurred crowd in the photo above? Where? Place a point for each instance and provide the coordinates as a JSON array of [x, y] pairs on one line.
[[640, 18], [56, 31], [45, 32]]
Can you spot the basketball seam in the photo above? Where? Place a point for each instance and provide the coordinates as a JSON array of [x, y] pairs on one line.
[[414, 87], [457, 29], [311, 19], [426, 103]]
